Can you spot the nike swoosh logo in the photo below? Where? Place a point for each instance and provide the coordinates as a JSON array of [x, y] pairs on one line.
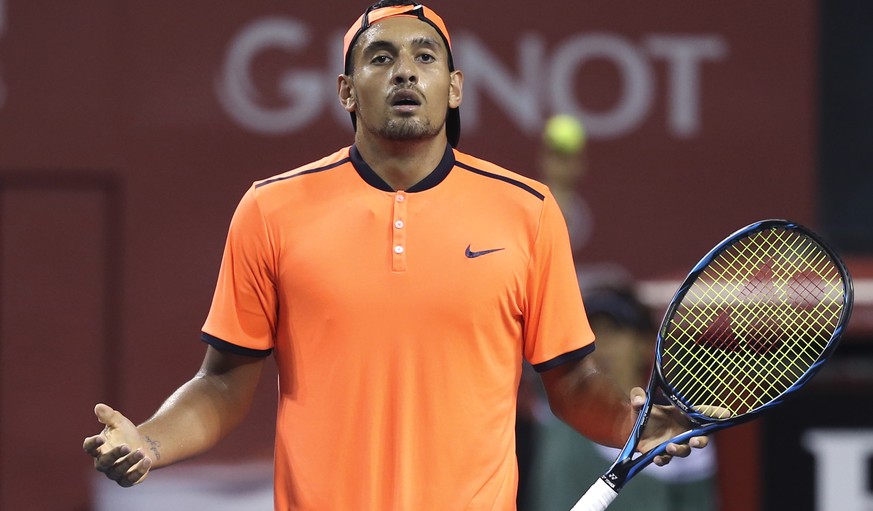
[[469, 253]]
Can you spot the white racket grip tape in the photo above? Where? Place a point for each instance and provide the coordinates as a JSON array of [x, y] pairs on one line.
[[597, 498]]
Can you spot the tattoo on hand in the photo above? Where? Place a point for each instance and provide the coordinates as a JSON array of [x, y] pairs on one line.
[[153, 446]]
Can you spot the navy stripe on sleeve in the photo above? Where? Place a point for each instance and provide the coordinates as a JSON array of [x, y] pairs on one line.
[[571, 356], [227, 347], [505, 179], [303, 173]]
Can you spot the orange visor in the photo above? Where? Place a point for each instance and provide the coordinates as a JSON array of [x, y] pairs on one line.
[[372, 16]]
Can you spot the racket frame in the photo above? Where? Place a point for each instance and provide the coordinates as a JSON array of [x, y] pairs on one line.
[[626, 465]]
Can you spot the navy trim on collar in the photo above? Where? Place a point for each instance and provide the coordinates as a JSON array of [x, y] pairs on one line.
[[431, 180]]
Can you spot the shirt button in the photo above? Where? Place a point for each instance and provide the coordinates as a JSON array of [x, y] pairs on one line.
[[400, 198], [398, 224], [398, 249]]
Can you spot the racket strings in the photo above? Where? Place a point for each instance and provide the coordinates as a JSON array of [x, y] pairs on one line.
[[771, 329], [765, 294], [752, 323], [722, 328], [741, 398], [762, 331]]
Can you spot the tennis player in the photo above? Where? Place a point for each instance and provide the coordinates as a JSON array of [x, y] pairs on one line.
[[398, 282]]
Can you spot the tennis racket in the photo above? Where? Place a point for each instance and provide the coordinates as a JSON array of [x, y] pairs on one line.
[[750, 325]]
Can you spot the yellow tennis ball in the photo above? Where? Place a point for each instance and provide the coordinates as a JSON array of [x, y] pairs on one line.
[[564, 133]]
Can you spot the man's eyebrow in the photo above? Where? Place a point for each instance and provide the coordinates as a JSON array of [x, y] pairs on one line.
[[380, 44], [426, 41]]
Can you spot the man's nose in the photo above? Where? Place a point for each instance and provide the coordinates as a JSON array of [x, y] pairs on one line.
[[405, 70]]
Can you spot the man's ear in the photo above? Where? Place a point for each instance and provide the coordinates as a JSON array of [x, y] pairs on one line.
[[346, 93], [456, 89]]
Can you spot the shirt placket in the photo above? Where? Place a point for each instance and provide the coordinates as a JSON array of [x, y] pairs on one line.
[[399, 247]]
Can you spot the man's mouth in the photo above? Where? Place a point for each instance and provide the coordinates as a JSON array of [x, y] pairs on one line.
[[405, 100]]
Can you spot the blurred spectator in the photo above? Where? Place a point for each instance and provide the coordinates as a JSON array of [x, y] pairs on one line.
[[563, 164], [566, 464]]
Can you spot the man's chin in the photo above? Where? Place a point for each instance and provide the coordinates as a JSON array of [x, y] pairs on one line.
[[409, 131]]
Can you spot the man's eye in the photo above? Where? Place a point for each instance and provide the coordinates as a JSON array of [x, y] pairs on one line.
[[381, 59], [426, 57]]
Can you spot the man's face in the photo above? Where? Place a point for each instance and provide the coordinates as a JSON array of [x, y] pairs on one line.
[[400, 85]]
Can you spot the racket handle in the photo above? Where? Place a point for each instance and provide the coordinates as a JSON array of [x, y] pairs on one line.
[[597, 498]]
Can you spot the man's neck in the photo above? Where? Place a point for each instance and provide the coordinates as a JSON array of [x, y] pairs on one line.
[[402, 164]]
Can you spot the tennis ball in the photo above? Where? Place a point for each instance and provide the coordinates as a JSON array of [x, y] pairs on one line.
[[564, 133]]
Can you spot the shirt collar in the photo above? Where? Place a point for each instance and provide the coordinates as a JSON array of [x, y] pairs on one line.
[[435, 177]]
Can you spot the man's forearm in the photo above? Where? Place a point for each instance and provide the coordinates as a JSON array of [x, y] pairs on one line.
[[193, 419], [590, 402]]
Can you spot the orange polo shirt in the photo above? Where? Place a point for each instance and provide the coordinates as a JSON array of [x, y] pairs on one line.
[[399, 321]]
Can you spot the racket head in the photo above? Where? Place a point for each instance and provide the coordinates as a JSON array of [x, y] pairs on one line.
[[752, 323]]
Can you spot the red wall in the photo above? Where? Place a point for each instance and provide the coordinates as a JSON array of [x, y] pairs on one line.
[[122, 158]]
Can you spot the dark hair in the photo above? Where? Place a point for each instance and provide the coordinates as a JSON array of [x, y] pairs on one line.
[[621, 305], [391, 3]]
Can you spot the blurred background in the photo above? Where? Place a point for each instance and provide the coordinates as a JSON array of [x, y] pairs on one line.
[[130, 129]]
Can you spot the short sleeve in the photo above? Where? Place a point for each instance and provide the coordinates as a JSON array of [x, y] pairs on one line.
[[556, 328], [243, 314]]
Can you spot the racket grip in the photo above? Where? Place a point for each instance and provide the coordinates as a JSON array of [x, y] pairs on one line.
[[597, 498]]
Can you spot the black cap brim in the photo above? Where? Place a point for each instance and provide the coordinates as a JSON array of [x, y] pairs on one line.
[[453, 126]]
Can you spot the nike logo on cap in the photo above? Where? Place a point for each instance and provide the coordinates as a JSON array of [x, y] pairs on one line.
[[471, 254]]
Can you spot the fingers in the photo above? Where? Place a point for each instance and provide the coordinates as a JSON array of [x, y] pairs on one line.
[[136, 474], [671, 451], [105, 461], [699, 442], [92, 444], [637, 397], [118, 462], [122, 466], [662, 460], [681, 450]]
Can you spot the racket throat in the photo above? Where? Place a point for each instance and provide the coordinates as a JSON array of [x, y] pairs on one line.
[[618, 474]]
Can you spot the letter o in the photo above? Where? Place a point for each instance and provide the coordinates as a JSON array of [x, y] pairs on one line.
[[637, 91]]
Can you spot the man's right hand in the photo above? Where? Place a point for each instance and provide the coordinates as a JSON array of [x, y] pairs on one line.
[[118, 450]]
